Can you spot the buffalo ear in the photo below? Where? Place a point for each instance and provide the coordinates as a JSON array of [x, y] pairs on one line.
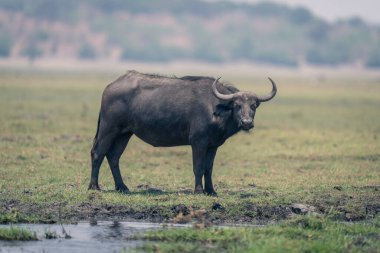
[[223, 109]]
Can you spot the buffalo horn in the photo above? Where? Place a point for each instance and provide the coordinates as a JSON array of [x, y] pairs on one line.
[[220, 95], [271, 95]]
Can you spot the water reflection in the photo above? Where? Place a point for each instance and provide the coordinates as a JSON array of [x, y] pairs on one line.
[[94, 236]]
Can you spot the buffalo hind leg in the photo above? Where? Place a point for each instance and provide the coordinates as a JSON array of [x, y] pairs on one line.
[[208, 165], [199, 152], [96, 161], [100, 148], [113, 157]]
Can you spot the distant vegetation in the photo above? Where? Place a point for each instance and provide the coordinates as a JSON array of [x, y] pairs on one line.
[[167, 30], [5, 45]]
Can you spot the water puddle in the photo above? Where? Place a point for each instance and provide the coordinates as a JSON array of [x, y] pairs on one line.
[[104, 236]]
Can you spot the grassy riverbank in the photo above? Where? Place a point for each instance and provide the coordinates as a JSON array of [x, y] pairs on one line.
[[306, 234], [316, 144]]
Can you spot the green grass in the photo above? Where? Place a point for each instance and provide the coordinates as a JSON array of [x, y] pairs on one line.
[[15, 233], [307, 234], [316, 143]]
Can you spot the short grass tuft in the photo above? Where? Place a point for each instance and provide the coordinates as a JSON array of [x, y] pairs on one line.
[[17, 234]]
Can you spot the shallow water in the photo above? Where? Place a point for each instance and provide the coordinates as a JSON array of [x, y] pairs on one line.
[[105, 236]]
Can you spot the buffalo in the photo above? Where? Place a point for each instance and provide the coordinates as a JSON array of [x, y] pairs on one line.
[[170, 111]]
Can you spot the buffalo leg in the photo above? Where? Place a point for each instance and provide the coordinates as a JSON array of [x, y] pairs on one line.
[[199, 153], [208, 165], [100, 148], [113, 157]]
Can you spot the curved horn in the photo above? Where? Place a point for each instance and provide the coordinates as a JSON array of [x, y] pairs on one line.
[[220, 95], [271, 95]]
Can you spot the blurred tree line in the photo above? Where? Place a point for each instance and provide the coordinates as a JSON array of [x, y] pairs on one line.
[[208, 31]]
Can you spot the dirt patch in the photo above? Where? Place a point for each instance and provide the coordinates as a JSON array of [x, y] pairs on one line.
[[13, 211]]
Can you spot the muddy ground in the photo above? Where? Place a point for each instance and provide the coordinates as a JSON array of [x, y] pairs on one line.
[[16, 211]]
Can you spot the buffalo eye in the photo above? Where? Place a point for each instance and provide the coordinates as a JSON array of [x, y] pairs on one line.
[[255, 105], [237, 106]]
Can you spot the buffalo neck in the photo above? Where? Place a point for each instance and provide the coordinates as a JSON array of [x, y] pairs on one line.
[[224, 129]]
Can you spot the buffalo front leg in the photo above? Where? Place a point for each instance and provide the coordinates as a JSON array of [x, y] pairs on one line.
[[113, 157], [199, 153], [208, 165]]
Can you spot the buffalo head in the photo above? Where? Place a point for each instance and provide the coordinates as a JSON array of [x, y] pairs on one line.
[[244, 104]]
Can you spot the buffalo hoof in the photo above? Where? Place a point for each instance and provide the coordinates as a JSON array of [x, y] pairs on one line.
[[94, 187], [212, 193], [198, 190], [123, 189]]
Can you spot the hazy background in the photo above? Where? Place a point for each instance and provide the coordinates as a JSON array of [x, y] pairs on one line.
[[282, 33], [333, 10]]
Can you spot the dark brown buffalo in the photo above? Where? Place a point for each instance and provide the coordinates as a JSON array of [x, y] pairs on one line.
[[168, 111]]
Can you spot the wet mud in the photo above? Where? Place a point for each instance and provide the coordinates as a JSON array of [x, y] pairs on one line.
[[15, 211]]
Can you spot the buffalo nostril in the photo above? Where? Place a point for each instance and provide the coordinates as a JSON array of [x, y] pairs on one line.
[[247, 122]]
